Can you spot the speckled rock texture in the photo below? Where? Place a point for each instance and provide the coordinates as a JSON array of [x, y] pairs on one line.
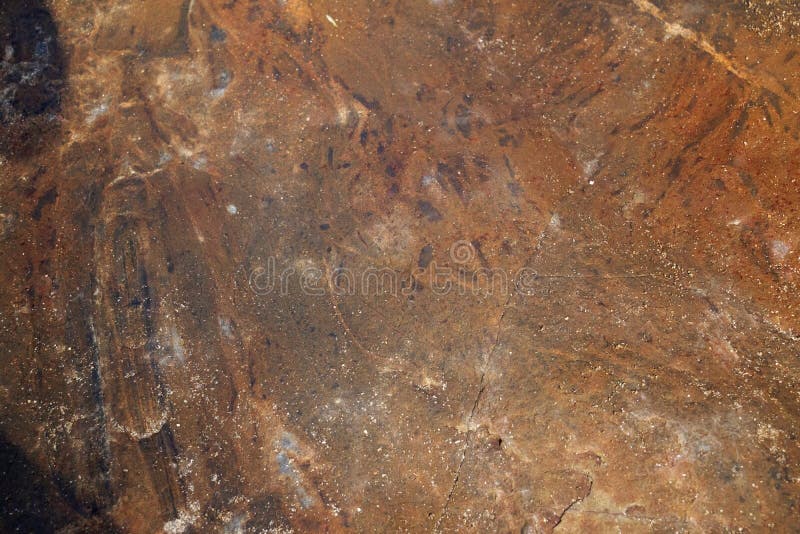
[[399, 265]]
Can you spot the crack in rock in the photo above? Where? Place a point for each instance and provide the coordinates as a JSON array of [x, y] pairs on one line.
[[481, 388], [575, 501]]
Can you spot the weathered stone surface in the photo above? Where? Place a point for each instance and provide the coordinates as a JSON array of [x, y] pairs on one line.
[[281, 265]]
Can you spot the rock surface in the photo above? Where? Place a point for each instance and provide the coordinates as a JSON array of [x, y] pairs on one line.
[[281, 265]]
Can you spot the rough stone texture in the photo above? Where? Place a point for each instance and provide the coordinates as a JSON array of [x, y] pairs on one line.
[[607, 194]]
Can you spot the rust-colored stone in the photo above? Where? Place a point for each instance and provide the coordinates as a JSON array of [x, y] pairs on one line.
[[281, 265]]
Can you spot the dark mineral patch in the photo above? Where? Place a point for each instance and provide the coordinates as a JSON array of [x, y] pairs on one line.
[[31, 75]]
